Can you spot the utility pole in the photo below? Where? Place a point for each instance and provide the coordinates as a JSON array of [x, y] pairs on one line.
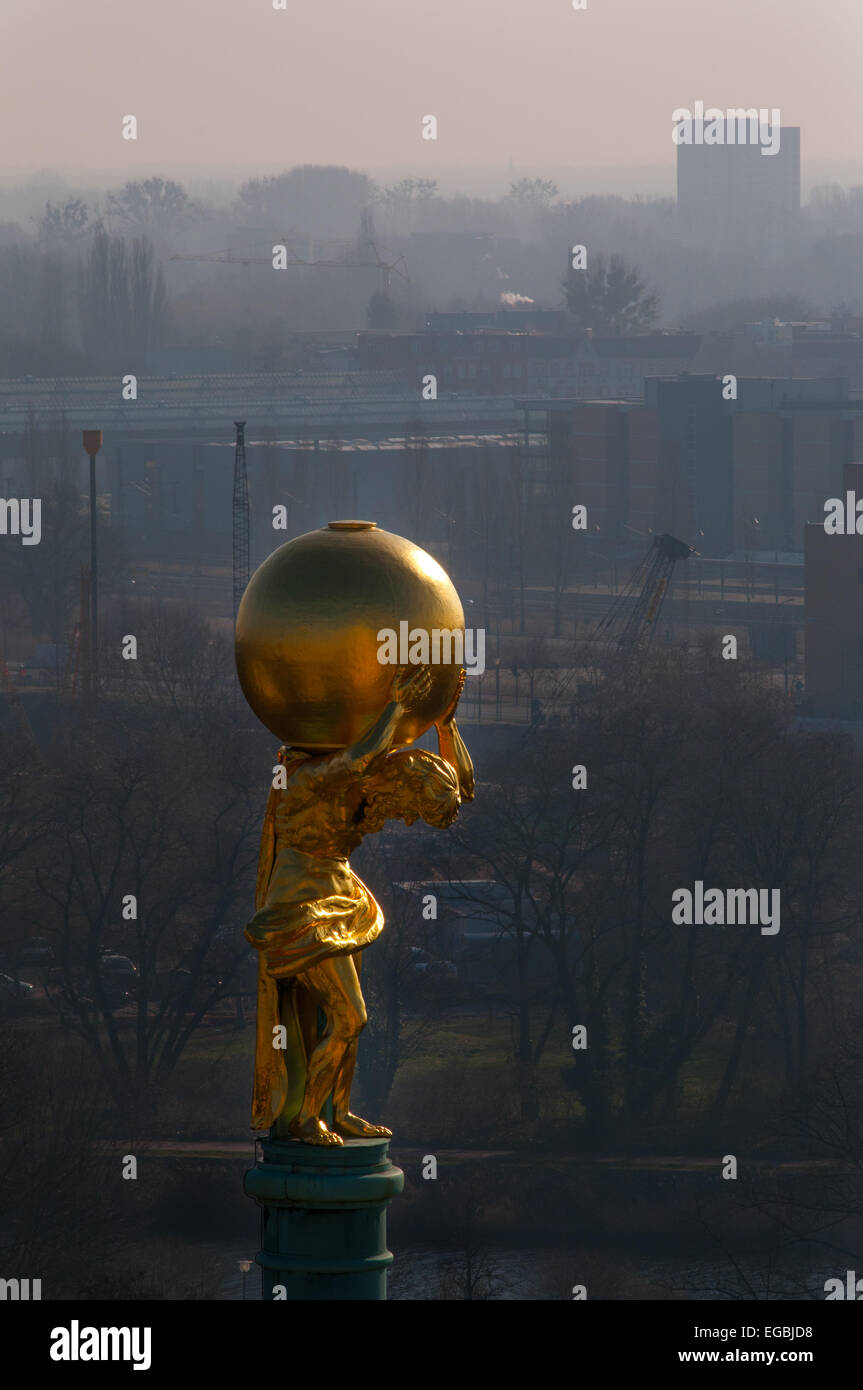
[[240, 516], [92, 440]]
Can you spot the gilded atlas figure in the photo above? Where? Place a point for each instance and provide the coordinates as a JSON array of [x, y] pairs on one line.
[[308, 658]]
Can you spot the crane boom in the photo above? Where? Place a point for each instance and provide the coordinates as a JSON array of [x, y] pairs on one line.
[[634, 615]]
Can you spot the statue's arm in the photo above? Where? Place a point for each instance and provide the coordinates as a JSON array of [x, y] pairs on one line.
[[454, 751], [452, 747], [375, 741], [409, 686]]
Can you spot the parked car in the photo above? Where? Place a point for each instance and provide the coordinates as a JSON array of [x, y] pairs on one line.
[[119, 977], [18, 673], [426, 969], [80, 995], [15, 993], [113, 965], [20, 988]]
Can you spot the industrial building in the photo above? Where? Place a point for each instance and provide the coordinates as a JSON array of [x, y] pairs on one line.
[[729, 475], [497, 361], [834, 612]]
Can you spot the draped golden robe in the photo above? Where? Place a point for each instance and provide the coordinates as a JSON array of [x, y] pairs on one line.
[[311, 905]]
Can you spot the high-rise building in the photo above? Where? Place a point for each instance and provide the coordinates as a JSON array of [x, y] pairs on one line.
[[736, 189]]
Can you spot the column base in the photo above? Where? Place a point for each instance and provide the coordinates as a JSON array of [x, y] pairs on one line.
[[324, 1218]]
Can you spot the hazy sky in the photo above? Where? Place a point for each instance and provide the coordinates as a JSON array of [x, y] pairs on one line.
[[227, 86]]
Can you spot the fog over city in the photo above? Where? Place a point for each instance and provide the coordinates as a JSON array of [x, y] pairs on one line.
[[221, 88]]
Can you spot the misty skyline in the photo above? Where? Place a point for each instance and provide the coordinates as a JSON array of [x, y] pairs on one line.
[[225, 89]]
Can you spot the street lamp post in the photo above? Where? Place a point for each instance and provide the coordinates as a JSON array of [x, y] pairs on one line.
[[92, 440]]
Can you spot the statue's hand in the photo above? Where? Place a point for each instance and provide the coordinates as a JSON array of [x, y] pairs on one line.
[[410, 686], [450, 714]]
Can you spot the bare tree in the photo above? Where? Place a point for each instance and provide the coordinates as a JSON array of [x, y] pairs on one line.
[[121, 299], [152, 853]]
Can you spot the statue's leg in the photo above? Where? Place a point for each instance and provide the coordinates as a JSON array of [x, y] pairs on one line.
[[345, 1077], [293, 1007], [351, 1126], [344, 1080], [335, 986]]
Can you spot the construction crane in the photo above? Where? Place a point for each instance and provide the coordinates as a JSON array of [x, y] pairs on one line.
[[632, 618], [240, 515], [16, 706]]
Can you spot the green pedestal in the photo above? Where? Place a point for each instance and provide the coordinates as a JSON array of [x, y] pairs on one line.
[[324, 1218]]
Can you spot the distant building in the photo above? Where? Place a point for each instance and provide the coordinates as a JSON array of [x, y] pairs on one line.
[[828, 353], [733, 190], [494, 361], [834, 613], [745, 474], [607, 452], [787, 456], [742, 475], [694, 494], [529, 320], [617, 368]]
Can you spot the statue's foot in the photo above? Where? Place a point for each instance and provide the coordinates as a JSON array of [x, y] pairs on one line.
[[355, 1128], [312, 1132]]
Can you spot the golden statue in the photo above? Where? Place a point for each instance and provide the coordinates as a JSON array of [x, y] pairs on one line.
[[308, 656]]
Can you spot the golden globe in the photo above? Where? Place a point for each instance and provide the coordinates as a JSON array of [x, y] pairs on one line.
[[307, 648]]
